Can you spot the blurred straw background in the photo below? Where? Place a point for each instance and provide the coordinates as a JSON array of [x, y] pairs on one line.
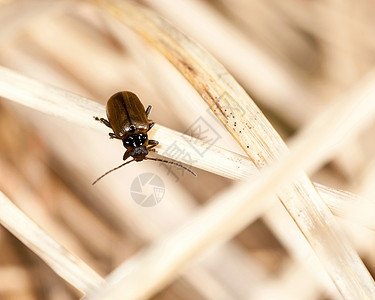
[[294, 58]]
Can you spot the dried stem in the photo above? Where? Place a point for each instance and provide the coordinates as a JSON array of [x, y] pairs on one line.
[[74, 108], [250, 128], [64, 263]]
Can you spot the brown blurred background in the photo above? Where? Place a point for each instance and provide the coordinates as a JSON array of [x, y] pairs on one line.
[[293, 57]]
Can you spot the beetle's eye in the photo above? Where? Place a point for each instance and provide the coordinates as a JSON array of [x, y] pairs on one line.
[[132, 128]]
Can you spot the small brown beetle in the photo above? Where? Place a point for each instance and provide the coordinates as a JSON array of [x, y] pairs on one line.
[[129, 121]]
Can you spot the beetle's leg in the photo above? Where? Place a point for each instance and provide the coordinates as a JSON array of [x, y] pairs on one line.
[[126, 155], [152, 144], [104, 121], [148, 109], [150, 125], [151, 148]]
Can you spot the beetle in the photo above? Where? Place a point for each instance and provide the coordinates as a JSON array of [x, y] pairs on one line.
[[129, 122]]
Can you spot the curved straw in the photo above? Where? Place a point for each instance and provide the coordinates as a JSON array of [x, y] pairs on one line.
[[221, 219]]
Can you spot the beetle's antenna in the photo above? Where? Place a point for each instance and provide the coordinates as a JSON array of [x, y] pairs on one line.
[[172, 163], [114, 169]]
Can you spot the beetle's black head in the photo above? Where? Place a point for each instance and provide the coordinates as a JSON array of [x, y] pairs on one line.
[[139, 153], [135, 140]]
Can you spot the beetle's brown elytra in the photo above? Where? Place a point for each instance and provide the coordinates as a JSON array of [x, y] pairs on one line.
[[129, 121]]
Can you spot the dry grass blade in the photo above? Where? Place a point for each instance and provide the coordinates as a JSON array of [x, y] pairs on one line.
[[74, 108], [293, 58], [258, 72], [68, 266], [261, 142], [349, 206], [160, 262]]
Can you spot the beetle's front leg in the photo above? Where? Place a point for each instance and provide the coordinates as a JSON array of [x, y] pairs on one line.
[[152, 144], [148, 110], [126, 155], [150, 125], [104, 121]]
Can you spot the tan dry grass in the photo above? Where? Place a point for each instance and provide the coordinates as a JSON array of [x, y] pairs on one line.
[[265, 144]]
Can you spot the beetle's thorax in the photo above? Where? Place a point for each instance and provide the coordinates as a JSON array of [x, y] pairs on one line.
[[135, 140], [136, 145]]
